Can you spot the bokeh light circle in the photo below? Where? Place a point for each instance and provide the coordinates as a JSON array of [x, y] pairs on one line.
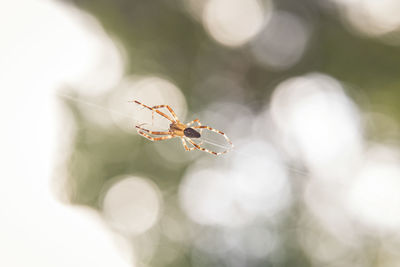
[[374, 197], [256, 186], [234, 22], [371, 17], [319, 123], [132, 204], [282, 42]]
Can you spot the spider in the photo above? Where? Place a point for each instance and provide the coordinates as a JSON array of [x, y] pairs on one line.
[[180, 130]]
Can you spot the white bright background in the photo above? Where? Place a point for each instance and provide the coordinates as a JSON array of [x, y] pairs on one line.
[[44, 45]]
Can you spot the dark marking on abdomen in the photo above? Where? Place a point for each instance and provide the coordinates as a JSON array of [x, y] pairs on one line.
[[191, 133]]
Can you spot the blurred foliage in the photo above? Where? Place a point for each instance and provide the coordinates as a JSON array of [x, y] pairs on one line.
[[163, 39]]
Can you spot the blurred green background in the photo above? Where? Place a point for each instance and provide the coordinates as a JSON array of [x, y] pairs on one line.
[[231, 81]]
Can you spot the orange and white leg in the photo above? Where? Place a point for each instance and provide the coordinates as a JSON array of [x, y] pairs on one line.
[[216, 131], [152, 132], [154, 110], [193, 121], [205, 149], [169, 109], [185, 145], [155, 138], [189, 148]]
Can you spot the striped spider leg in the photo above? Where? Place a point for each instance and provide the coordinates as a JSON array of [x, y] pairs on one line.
[[155, 109], [141, 131], [163, 106], [186, 146], [168, 134]]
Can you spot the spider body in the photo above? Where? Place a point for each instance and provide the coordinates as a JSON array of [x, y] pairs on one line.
[[178, 129], [181, 130]]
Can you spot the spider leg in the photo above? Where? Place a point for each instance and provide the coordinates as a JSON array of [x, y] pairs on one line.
[[186, 147], [152, 132], [193, 121], [216, 131], [154, 110], [205, 149], [155, 138], [169, 109]]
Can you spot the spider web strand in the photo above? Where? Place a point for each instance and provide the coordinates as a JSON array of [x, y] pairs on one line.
[[75, 99]]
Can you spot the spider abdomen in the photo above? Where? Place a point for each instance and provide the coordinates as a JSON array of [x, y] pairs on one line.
[[191, 133]]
